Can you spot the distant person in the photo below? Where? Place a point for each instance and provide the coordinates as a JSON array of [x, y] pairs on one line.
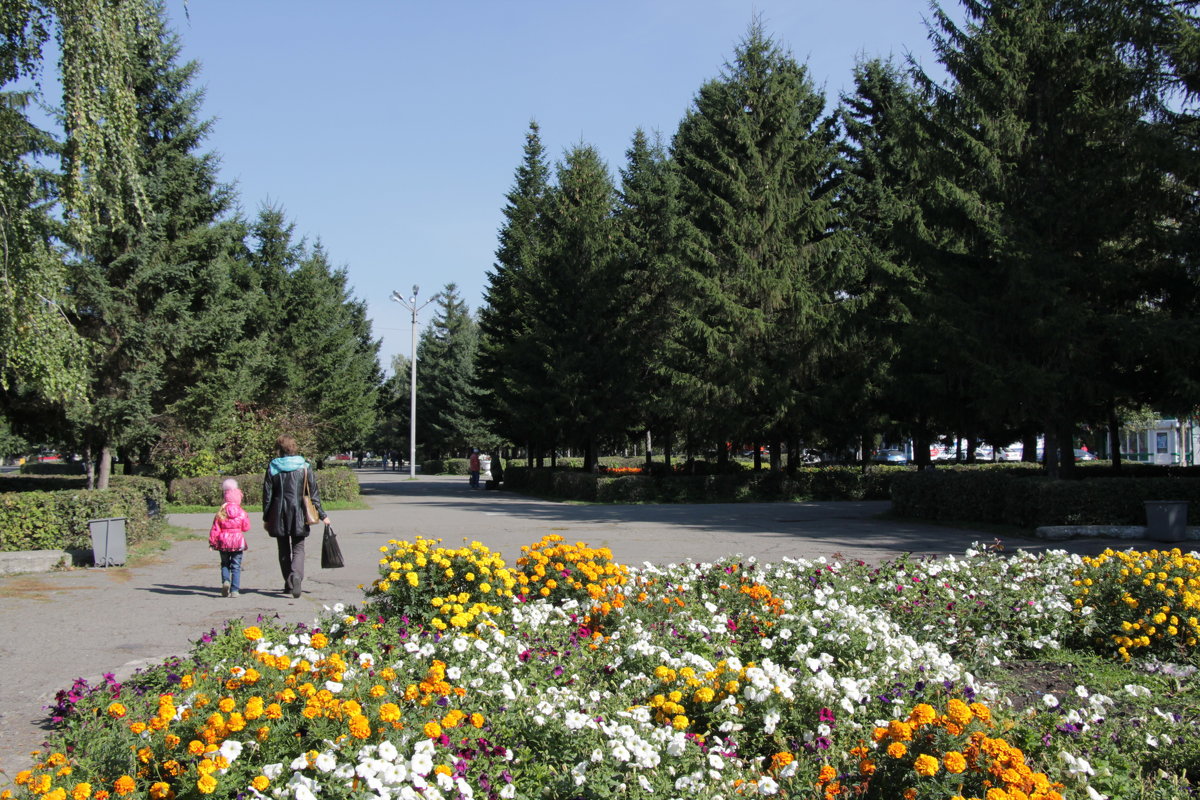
[[287, 477], [227, 536], [473, 467]]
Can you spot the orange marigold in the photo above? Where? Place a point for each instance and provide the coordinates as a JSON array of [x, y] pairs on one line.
[[124, 785]]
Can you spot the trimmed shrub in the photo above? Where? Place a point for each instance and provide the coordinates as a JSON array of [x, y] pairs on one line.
[[741, 486], [58, 519], [1030, 500], [444, 466], [335, 483]]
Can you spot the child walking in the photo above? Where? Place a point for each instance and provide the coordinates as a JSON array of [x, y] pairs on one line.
[[227, 537]]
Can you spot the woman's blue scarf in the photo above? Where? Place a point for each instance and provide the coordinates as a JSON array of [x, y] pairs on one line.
[[287, 464]]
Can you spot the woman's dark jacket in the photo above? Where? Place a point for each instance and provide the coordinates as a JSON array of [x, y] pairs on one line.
[[283, 507]]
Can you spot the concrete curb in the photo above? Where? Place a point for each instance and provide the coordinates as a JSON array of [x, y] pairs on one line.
[[1060, 533], [17, 562]]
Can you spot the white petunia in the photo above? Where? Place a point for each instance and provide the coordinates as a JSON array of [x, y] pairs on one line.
[[388, 751], [1049, 701], [326, 762]]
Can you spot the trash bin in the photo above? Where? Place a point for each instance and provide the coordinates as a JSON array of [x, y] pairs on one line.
[[108, 541], [1166, 520], [485, 468]]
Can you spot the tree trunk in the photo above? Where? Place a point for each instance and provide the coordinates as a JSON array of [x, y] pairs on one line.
[[649, 452], [921, 451], [1114, 439], [722, 457], [972, 443], [1050, 452], [776, 455], [864, 445], [105, 470], [668, 443], [1029, 448], [1066, 447], [757, 456], [89, 466]]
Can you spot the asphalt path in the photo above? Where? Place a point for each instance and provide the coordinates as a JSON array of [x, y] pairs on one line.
[[86, 622]]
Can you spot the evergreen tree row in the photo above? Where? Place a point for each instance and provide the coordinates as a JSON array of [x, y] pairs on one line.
[[1004, 254]]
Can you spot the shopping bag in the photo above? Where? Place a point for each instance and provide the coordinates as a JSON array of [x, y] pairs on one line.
[[331, 553]]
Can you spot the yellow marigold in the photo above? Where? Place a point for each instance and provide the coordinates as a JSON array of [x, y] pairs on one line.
[[263, 733], [207, 784], [124, 785], [260, 782], [82, 791], [389, 712], [996, 794], [432, 729], [680, 722], [160, 790], [781, 760], [982, 712], [954, 762], [116, 710], [926, 765], [477, 719], [137, 728], [57, 794], [896, 750], [253, 633], [899, 731]]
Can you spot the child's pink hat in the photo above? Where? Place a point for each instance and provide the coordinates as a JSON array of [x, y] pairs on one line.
[[233, 495]]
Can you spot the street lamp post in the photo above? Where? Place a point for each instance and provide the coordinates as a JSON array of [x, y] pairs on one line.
[[411, 304]]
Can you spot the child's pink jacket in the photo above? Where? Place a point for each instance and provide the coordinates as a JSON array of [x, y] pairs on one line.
[[226, 534]]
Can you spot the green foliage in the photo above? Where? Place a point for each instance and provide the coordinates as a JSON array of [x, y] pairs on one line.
[[57, 519], [334, 483], [1028, 499], [445, 466]]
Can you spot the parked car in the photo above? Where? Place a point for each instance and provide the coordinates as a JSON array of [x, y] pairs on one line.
[[1011, 453], [890, 457], [1084, 455]]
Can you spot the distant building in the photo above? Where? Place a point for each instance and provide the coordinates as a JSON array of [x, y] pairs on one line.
[[1166, 441]]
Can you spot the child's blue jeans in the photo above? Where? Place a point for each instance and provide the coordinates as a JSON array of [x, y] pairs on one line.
[[231, 569]]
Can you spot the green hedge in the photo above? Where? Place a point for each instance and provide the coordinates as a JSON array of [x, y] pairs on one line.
[[444, 466], [335, 483], [56, 519], [1032, 500], [808, 483]]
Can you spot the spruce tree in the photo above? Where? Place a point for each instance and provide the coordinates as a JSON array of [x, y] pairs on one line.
[[449, 417], [760, 267], [576, 313], [649, 218], [1047, 184], [507, 370]]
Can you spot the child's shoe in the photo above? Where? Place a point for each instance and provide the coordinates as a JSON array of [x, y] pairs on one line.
[[235, 593], [224, 590]]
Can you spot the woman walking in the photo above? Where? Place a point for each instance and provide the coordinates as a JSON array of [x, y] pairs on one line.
[[289, 477]]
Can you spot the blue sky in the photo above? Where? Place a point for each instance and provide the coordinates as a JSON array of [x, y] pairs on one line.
[[391, 130]]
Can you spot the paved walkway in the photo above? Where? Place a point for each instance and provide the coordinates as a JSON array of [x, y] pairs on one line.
[[85, 622]]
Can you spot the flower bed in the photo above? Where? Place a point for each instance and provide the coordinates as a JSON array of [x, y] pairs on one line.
[[564, 674]]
